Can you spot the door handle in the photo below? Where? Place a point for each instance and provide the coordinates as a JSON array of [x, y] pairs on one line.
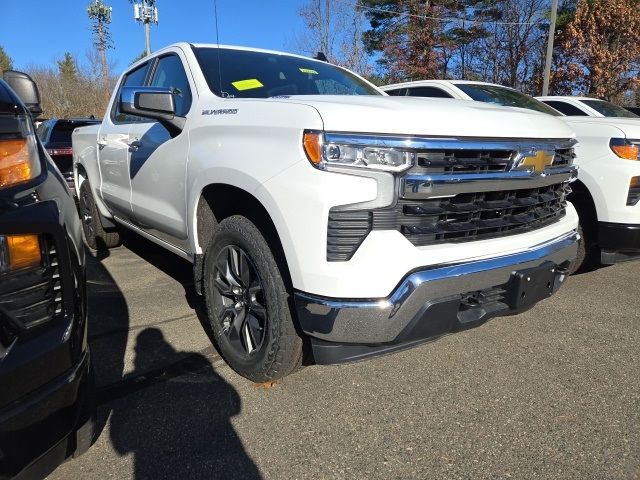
[[102, 143], [135, 145]]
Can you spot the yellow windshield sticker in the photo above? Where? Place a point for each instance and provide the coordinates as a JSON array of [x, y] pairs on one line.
[[247, 84], [308, 70]]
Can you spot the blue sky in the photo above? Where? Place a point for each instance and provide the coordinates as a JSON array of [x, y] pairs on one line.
[[37, 32]]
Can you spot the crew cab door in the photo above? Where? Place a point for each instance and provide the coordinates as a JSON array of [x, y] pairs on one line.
[[113, 151], [158, 162]]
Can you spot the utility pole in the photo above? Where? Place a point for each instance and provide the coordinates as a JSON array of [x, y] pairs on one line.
[[100, 14], [547, 62], [146, 13]]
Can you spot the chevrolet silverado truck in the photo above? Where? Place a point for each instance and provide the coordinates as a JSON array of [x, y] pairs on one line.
[[47, 399], [607, 191], [318, 210]]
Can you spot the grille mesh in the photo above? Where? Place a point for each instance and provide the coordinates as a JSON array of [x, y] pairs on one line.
[[473, 216]]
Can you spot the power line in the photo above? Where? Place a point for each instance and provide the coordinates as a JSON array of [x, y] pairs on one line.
[[440, 19]]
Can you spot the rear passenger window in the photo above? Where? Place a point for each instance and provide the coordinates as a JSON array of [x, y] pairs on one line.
[[398, 92], [169, 73], [432, 92], [135, 78], [566, 108]]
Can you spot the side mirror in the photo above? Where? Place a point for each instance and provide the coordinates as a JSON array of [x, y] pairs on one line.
[[24, 86], [155, 103]]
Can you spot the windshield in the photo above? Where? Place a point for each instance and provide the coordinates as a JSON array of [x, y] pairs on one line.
[[609, 109], [506, 97], [247, 74]]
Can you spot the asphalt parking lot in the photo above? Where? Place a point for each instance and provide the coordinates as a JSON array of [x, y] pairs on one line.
[[552, 393]]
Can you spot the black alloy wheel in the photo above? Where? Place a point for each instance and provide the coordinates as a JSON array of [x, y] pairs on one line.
[[239, 300]]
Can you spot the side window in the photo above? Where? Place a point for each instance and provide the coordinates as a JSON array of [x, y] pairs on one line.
[[43, 130], [432, 92], [398, 92], [566, 108], [170, 73], [134, 78]]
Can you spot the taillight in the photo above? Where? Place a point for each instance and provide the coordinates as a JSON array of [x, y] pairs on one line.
[[60, 151]]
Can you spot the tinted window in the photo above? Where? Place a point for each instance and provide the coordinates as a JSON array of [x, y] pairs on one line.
[[247, 74], [608, 109], [43, 130], [398, 92], [506, 97], [170, 73], [134, 78], [566, 108], [432, 92], [62, 130]]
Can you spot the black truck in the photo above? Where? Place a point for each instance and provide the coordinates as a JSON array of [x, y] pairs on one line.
[[47, 405]]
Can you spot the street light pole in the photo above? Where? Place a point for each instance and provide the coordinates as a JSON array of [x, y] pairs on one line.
[[547, 62]]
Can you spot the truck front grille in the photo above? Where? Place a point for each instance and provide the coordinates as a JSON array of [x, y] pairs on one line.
[[473, 216], [462, 191], [476, 161]]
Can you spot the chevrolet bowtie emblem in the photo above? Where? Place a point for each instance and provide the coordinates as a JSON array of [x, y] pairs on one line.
[[539, 160]]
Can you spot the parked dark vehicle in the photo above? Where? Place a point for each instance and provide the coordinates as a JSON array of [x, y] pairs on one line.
[[47, 405], [55, 135]]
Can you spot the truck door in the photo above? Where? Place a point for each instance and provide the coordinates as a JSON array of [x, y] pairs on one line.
[[113, 151], [158, 162]]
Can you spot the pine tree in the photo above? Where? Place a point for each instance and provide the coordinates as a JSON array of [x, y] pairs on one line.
[[6, 63], [67, 67]]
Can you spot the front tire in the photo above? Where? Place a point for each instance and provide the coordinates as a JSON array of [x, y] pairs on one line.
[[95, 236], [248, 303]]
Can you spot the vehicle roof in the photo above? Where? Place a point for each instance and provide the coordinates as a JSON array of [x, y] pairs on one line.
[[235, 47], [416, 83], [75, 119], [567, 97]]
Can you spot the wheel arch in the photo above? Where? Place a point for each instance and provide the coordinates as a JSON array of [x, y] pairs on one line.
[[583, 201], [218, 201]]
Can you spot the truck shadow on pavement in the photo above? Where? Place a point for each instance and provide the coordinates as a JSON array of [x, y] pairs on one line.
[[172, 413]]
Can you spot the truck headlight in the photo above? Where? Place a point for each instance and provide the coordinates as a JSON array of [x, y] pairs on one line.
[[19, 161], [323, 152], [623, 148]]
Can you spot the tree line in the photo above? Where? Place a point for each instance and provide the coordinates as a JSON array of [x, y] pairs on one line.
[[596, 47], [596, 43]]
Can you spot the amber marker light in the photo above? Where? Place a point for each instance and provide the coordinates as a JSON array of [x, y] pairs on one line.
[[17, 162], [623, 149], [23, 251], [312, 142]]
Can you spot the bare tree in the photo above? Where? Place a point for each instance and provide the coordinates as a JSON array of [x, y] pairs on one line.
[[334, 27]]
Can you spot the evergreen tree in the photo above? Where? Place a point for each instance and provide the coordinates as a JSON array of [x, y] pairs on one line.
[[6, 63], [67, 67]]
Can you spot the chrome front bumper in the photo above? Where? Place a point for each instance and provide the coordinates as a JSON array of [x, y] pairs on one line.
[[430, 302]]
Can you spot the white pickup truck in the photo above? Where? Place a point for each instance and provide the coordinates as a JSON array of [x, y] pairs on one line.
[[607, 192], [315, 207]]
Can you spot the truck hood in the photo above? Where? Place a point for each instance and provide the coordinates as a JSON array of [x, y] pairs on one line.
[[629, 126], [430, 117]]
